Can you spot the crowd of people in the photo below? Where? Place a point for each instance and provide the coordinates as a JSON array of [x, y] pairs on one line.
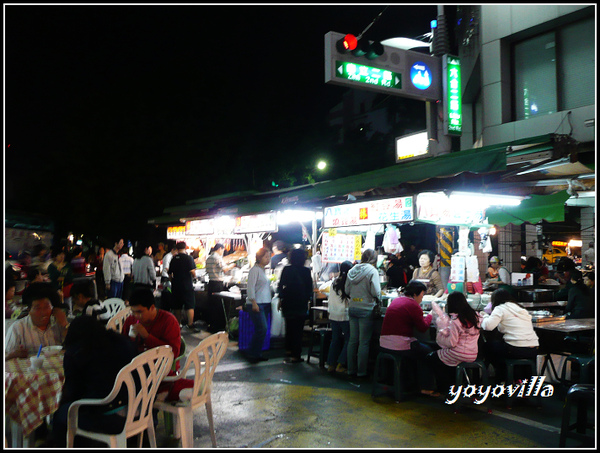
[[353, 304]]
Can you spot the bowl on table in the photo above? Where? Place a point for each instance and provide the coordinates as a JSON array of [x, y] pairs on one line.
[[52, 350]]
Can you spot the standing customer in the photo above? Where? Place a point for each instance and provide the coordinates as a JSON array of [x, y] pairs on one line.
[[182, 271], [113, 274], [295, 291], [126, 263], [363, 287], [143, 272], [457, 335], [59, 271], [402, 316], [259, 297], [337, 307], [216, 268], [589, 256], [99, 277], [519, 340]]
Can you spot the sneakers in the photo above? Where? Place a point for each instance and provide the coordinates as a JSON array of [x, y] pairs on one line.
[[331, 369]]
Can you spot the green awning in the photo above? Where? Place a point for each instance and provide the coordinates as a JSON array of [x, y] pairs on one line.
[[550, 208], [478, 160]]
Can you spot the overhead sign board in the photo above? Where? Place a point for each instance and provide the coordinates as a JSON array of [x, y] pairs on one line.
[[392, 210], [389, 73], [259, 223], [199, 227], [412, 146], [436, 207]]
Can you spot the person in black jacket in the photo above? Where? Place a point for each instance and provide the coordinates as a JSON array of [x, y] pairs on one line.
[[93, 358], [295, 292]]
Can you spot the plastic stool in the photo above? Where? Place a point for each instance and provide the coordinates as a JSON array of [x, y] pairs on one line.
[[324, 334], [510, 372], [466, 370], [399, 365], [586, 365], [584, 396]]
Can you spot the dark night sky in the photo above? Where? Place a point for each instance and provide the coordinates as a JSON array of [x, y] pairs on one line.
[[115, 112]]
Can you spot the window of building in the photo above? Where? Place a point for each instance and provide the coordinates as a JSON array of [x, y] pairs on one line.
[[555, 71]]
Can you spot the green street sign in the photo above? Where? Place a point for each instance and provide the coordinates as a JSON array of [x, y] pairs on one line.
[[452, 89], [368, 75]]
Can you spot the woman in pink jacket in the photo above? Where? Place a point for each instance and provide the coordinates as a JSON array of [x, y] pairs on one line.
[[457, 335]]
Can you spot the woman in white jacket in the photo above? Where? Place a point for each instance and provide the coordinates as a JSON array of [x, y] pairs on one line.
[[337, 307], [519, 339]]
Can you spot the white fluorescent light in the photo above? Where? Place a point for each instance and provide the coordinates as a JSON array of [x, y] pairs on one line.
[[290, 216], [485, 200], [404, 43]]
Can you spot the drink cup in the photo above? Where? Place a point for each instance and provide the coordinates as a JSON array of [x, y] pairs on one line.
[[132, 333], [36, 362]]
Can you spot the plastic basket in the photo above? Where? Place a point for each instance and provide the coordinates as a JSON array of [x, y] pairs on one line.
[[247, 329]]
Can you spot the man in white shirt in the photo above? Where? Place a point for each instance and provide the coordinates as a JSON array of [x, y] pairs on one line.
[[126, 263], [113, 274], [46, 324]]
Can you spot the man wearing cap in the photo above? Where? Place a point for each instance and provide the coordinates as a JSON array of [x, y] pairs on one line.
[[501, 273]]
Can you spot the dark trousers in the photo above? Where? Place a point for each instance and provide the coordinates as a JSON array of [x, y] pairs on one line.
[[418, 352], [496, 352], [216, 312], [294, 328], [445, 375], [110, 424]]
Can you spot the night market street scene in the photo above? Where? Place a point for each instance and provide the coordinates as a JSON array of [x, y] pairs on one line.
[[300, 226]]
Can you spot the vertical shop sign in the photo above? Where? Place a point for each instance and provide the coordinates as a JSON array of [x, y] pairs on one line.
[[453, 96]]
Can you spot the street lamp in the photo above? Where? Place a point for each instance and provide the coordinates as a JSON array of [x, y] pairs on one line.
[[321, 165]]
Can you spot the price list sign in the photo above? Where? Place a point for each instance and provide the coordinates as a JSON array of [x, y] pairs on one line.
[[338, 248]]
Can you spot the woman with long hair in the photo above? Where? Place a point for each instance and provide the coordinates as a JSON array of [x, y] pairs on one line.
[[363, 289], [519, 340], [337, 307], [457, 336], [295, 291]]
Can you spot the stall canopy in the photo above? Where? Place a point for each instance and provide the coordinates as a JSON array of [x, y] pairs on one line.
[[478, 160], [550, 208]]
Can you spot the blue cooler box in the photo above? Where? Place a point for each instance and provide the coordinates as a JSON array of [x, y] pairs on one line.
[[247, 329]]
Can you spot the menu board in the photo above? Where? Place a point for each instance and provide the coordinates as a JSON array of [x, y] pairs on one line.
[[337, 248]]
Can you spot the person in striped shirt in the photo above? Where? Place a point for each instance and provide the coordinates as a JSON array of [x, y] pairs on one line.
[[46, 324]]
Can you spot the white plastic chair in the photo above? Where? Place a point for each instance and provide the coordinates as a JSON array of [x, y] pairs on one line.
[[204, 358], [116, 322], [150, 367], [114, 305]]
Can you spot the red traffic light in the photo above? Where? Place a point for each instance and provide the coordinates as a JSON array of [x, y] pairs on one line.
[[347, 43]]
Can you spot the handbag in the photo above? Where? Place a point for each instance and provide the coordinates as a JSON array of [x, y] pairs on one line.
[[376, 313]]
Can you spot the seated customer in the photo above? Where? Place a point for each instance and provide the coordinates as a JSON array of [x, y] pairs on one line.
[[519, 340], [93, 358], [152, 326], [580, 300], [45, 324], [84, 304], [402, 316], [457, 335]]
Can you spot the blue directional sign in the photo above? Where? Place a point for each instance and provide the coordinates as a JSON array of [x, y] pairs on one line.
[[420, 75]]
